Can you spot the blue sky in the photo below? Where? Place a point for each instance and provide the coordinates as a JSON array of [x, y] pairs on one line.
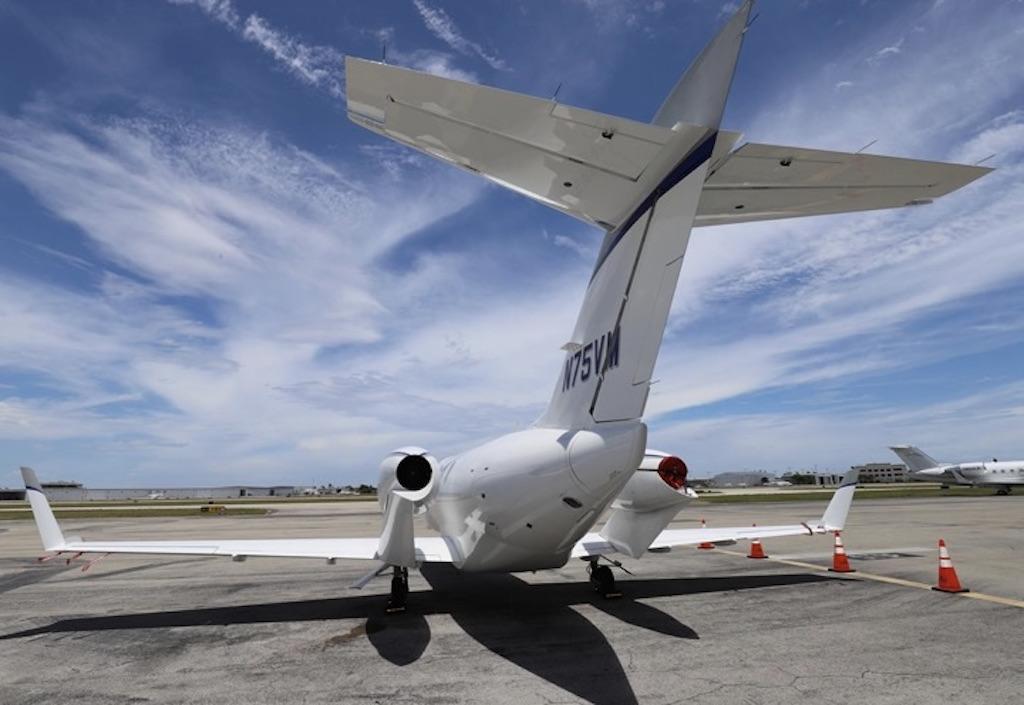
[[208, 275]]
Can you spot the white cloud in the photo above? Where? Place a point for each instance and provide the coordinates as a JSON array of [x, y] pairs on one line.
[[221, 10], [315, 65], [891, 50], [319, 66], [435, 62], [803, 302], [443, 27], [280, 246], [312, 354], [988, 423], [1002, 139]]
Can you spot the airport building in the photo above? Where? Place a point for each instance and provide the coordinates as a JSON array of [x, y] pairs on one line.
[[877, 473], [740, 479], [64, 491]]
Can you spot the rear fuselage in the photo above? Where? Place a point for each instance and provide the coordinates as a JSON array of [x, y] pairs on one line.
[[521, 501]]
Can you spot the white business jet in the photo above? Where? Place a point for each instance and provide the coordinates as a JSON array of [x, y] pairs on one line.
[[528, 500], [1001, 474]]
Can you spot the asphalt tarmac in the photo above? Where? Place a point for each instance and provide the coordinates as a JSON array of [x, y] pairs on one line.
[[692, 627]]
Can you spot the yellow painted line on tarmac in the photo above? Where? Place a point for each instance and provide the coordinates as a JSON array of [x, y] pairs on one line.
[[1008, 601]]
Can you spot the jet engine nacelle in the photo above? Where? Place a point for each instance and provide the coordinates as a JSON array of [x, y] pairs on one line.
[[410, 470], [659, 483], [648, 502]]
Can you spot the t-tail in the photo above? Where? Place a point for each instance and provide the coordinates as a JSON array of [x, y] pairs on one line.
[[915, 458], [610, 357]]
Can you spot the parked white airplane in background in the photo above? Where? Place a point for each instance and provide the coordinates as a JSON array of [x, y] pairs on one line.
[[527, 500], [1001, 474]]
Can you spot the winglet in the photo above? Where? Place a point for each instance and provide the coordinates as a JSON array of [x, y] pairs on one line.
[[49, 531], [834, 517]]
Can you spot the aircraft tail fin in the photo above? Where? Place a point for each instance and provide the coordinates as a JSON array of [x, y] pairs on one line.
[[915, 458], [606, 374], [698, 98], [46, 523]]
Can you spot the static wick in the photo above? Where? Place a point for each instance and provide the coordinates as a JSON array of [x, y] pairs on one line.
[[555, 96], [865, 146], [383, 52], [981, 161]]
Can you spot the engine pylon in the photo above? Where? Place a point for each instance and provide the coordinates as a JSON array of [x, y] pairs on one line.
[[705, 545], [948, 580], [756, 549], [840, 563]]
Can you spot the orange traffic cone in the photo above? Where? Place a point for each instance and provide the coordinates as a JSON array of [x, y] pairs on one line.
[[840, 563], [706, 545], [756, 549], [948, 582]]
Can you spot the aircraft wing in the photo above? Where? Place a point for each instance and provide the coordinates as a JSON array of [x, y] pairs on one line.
[[834, 518], [767, 182], [428, 548]]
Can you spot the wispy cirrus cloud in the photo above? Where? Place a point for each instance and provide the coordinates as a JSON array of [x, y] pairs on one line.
[[444, 28], [319, 66], [315, 65], [249, 264]]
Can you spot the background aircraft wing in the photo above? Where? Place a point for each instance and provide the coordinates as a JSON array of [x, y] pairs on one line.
[[766, 182], [833, 519], [581, 162]]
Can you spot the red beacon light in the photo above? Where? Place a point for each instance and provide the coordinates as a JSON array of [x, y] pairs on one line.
[[673, 471]]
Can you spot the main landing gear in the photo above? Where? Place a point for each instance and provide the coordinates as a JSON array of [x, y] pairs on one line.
[[1004, 491], [603, 580], [399, 590]]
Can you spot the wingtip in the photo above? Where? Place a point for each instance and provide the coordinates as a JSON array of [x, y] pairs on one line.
[[28, 475]]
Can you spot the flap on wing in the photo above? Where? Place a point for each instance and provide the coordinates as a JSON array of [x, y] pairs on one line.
[[765, 182], [596, 545], [579, 161], [429, 549]]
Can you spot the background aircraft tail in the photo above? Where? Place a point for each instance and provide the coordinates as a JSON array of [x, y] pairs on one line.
[[915, 458]]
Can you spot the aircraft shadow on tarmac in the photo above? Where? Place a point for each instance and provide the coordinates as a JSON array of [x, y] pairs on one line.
[[530, 625]]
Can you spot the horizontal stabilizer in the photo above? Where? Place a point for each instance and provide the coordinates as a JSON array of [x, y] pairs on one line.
[[587, 164], [768, 182]]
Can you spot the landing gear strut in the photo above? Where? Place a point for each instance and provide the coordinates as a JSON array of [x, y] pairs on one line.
[[399, 590], [603, 580]]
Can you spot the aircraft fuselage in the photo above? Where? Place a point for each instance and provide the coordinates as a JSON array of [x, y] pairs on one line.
[[521, 501]]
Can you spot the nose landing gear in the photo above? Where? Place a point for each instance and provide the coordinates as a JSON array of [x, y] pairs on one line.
[[399, 590]]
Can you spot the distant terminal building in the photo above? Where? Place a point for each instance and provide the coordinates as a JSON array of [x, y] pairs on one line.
[[63, 491], [812, 478], [789, 479], [877, 473], [740, 479]]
